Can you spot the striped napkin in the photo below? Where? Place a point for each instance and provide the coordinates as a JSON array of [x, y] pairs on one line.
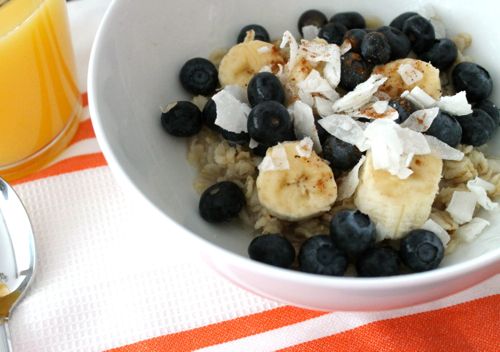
[[110, 278]]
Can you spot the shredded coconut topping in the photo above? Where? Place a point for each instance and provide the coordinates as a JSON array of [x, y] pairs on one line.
[[431, 225], [462, 206], [304, 123], [455, 105], [305, 147], [479, 187], [275, 160], [472, 230], [360, 96], [349, 183], [310, 32], [419, 97], [421, 120], [409, 74], [232, 111]]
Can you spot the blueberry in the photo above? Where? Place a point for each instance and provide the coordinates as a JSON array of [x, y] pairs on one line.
[[420, 32], [404, 108], [490, 108], [398, 41], [318, 255], [333, 33], [272, 249], [233, 138], [474, 79], [442, 54], [183, 120], [260, 33], [342, 156], [447, 129], [221, 202], [209, 115], [199, 76], [378, 262], [312, 18], [355, 37], [399, 21], [269, 123], [421, 250], [353, 70], [349, 19], [375, 48], [259, 150], [352, 231], [477, 128], [265, 86]]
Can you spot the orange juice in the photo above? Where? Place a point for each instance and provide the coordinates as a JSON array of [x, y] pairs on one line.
[[39, 97]]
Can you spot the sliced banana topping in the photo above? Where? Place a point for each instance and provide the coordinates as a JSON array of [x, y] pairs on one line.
[[246, 59], [303, 190], [405, 74], [395, 205]]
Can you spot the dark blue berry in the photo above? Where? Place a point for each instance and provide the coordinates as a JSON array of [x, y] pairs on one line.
[[183, 120], [199, 76], [349, 19], [352, 231], [318, 255], [477, 128], [209, 115], [421, 250], [341, 155], [378, 262], [260, 33], [333, 33], [269, 123], [355, 37], [474, 79], [375, 48], [353, 70], [272, 249], [404, 108], [221, 202], [241, 138], [399, 21], [490, 108], [447, 129], [398, 41], [265, 86], [312, 18], [442, 54], [259, 150], [420, 32]]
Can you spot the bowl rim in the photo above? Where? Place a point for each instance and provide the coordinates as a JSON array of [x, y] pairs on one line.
[[344, 282]]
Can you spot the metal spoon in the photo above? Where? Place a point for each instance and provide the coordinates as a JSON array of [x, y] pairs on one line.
[[17, 257]]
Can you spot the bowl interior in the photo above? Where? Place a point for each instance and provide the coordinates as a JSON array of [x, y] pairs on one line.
[[135, 71]]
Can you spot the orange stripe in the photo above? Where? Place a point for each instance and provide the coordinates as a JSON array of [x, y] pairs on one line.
[[85, 99], [224, 331], [470, 326], [85, 131], [75, 163]]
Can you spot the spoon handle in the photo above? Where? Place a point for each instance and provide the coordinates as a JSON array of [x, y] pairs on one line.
[[5, 343]]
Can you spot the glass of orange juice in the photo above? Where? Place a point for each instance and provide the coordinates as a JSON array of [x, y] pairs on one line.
[[40, 102]]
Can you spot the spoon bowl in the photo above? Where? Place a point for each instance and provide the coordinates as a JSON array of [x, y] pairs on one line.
[[17, 256]]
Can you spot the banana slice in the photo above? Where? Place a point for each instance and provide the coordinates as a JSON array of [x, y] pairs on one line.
[[303, 190], [428, 78], [397, 206], [246, 59]]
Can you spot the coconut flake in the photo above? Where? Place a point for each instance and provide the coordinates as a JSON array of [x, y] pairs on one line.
[[479, 187], [266, 68], [443, 150], [409, 74], [462, 206], [305, 147], [470, 231], [455, 104], [264, 49], [253, 143], [232, 113], [380, 106], [323, 106], [315, 84], [360, 96], [421, 120], [288, 39], [439, 28], [332, 73], [442, 234], [304, 124], [237, 92], [419, 97], [345, 47], [349, 183], [318, 51], [384, 111], [346, 129], [276, 160], [310, 32]]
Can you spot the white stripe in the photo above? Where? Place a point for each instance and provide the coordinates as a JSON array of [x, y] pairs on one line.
[[86, 146], [337, 322]]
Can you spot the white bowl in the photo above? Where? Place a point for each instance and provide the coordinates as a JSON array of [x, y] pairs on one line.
[[134, 70]]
